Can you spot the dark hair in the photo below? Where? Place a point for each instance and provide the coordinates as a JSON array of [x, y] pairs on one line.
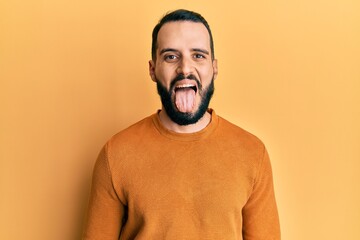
[[179, 15]]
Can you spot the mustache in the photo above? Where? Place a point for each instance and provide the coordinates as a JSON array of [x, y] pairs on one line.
[[181, 76]]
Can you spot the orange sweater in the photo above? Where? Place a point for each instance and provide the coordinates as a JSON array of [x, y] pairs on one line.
[[152, 183]]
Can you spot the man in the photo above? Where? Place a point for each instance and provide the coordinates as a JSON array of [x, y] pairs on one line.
[[184, 172]]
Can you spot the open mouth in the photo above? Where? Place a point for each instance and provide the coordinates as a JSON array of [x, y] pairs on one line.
[[185, 87]]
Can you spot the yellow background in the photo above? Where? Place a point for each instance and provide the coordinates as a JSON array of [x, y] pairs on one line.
[[73, 73]]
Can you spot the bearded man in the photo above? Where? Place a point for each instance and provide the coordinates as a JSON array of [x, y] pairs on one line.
[[183, 172]]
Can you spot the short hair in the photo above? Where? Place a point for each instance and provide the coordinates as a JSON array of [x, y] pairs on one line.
[[179, 15]]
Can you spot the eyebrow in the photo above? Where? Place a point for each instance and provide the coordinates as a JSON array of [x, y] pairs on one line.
[[193, 49], [200, 50], [168, 50]]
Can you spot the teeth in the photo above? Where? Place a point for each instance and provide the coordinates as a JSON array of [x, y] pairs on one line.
[[185, 86]]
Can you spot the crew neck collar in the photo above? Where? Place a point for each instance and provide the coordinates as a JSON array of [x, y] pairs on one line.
[[205, 132]]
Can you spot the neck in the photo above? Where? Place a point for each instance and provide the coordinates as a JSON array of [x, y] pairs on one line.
[[191, 128]]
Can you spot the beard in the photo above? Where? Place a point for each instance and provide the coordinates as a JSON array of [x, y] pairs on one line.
[[185, 118]]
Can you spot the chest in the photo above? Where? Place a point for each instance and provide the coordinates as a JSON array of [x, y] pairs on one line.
[[188, 178]]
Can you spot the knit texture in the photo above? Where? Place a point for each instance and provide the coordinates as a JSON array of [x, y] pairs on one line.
[[152, 183]]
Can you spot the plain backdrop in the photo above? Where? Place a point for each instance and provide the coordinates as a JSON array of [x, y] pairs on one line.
[[73, 73]]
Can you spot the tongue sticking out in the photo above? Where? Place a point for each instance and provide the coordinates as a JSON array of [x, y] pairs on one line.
[[185, 99]]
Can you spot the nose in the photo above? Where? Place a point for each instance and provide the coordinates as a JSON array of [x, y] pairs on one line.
[[185, 67]]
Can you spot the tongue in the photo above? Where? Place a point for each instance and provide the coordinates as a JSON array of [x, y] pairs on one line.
[[185, 99]]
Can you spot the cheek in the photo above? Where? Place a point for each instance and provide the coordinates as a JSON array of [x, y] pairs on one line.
[[165, 75], [206, 74]]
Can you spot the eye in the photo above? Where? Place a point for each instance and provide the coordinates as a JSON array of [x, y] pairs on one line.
[[170, 58], [199, 56]]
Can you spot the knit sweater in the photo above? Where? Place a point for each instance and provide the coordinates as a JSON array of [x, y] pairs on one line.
[[152, 183]]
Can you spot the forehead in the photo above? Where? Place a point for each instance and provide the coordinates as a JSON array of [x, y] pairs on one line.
[[183, 35]]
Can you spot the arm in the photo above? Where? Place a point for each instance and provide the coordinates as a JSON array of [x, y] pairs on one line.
[[260, 216], [105, 211]]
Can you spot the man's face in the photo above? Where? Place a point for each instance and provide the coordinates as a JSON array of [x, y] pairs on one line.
[[184, 70]]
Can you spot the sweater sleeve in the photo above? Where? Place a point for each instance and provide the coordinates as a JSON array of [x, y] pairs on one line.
[[105, 212], [260, 216]]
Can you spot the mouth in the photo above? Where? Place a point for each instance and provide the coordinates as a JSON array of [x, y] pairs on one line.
[[186, 87]]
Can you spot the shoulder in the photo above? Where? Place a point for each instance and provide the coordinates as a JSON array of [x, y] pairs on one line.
[[130, 138], [123, 148], [245, 148], [135, 130], [238, 136]]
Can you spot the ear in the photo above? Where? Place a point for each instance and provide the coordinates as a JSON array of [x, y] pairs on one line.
[[215, 68], [152, 70]]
